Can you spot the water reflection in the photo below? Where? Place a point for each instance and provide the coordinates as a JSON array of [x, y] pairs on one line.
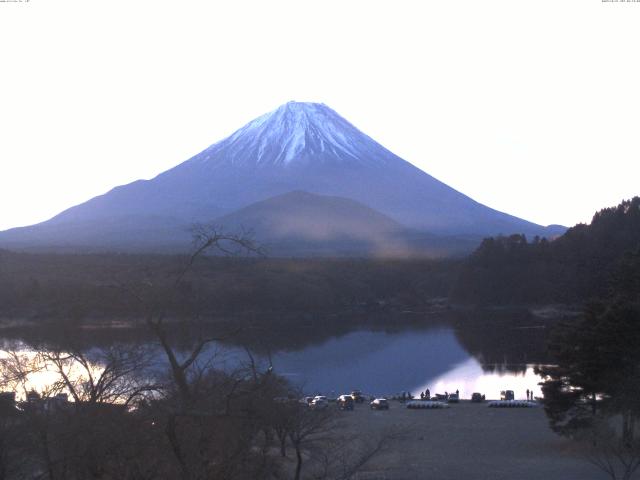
[[377, 360], [24, 370], [469, 377], [386, 363]]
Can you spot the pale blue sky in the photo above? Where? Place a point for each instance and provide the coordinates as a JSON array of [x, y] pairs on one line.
[[530, 107]]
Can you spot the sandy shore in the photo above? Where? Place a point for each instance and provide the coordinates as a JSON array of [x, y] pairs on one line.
[[468, 441]]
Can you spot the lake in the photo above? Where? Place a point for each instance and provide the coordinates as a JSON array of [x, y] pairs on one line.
[[386, 363], [379, 361]]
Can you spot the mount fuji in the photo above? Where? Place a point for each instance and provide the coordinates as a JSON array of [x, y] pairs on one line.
[[299, 147]]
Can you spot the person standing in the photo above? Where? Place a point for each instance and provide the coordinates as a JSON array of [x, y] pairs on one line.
[[527, 394]]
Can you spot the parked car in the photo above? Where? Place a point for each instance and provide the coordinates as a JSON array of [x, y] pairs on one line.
[[319, 402], [477, 397], [379, 404], [453, 398], [357, 396], [507, 395], [345, 402]]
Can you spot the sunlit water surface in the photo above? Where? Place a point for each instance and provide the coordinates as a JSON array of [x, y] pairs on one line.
[[382, 363], [376, 362]]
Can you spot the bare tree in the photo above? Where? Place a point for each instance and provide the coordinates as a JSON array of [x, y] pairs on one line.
[[343, 457], [112, 375], [613, 451], [307, 428], [92, 434], [206, 239], [324, 447], [190, 409], [195, 422], [15, 369]]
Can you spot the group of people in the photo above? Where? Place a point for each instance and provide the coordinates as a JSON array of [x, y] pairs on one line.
[[404, 396], [426, 395]]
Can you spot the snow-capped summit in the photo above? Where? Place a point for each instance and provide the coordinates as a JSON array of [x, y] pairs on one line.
[[296, 133], [304, 147]]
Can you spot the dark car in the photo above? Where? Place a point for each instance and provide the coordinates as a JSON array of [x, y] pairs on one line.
[[345, 402], [357, 396], [477, 397], [379, 404], [507, 395]]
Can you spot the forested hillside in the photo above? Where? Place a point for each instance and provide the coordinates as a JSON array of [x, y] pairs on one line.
[[85, 287], [570, 269], [503, 271]]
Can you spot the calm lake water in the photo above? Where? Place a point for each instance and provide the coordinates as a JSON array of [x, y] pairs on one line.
[[384, 363]]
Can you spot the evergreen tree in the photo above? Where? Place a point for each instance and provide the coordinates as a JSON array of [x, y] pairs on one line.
[[592, 392]]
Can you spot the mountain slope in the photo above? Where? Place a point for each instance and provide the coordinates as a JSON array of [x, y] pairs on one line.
[[299, 146], [300, 224], [310, 216]]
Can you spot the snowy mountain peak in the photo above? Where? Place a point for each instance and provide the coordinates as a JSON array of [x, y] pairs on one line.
[[297, 147], [296, 133]]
